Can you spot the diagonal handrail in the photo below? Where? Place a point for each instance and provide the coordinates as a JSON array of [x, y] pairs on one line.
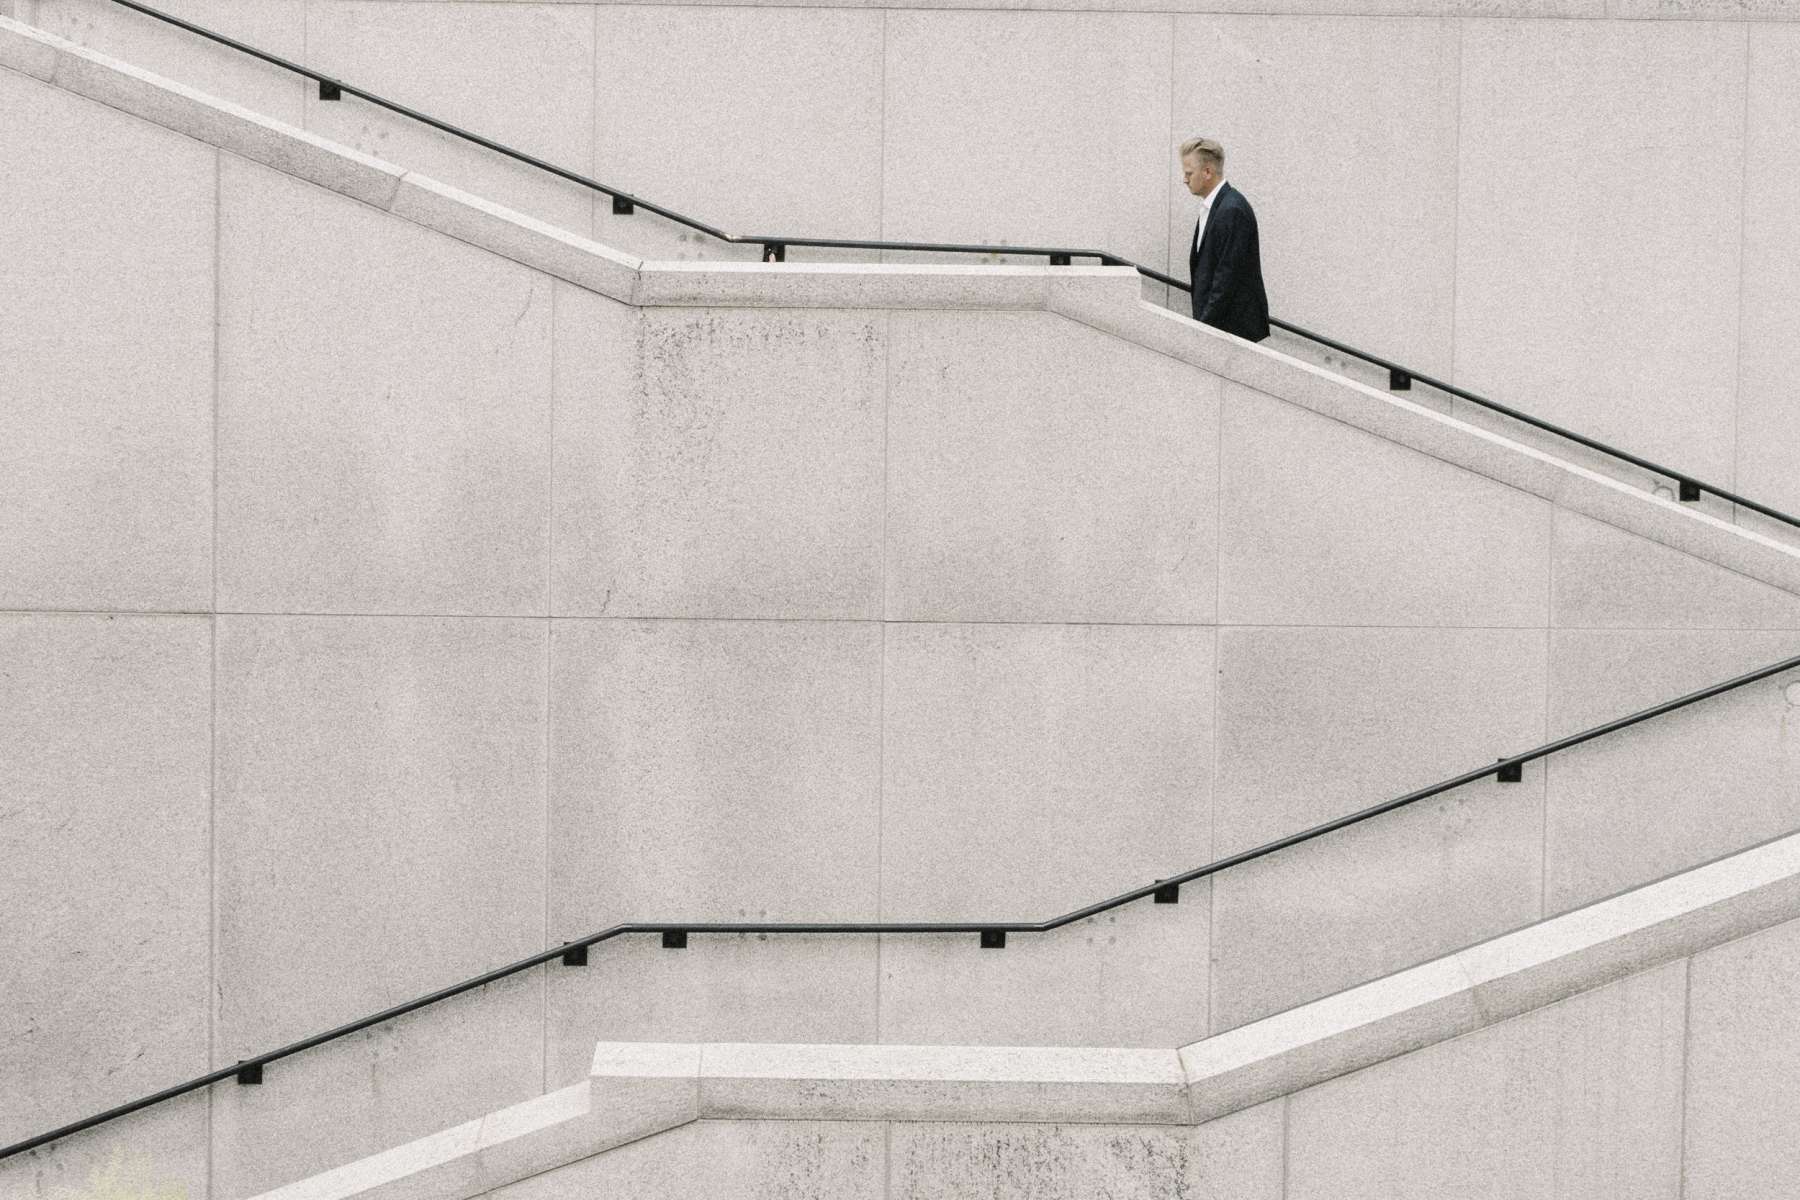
[[1689, 487], [992, 933]]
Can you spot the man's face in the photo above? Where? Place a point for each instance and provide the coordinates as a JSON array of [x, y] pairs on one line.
[[1198, 174]]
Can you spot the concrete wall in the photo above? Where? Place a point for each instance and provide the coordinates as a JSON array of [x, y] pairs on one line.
[[1575, 206], [379, 610], [1676, 1082]]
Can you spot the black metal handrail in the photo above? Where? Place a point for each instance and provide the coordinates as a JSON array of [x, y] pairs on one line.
[[992, 933], [1689, 488]]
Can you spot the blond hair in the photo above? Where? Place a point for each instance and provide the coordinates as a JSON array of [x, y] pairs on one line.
[[1208, 150]]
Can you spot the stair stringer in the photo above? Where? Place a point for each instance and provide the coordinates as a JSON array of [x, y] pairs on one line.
[[1105, 298]]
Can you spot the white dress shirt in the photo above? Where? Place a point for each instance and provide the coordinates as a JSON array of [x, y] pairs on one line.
[[1206, 203]]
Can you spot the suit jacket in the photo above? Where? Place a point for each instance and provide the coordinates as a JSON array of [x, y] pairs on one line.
[[1226, 268]]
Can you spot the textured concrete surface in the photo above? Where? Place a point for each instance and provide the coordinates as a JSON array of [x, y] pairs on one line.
[[725, 771], [1590, 291], [384, 412], [732, 1160], [1768, 456], [519, 74], [1239, 1158], [788, 97], [406, 1079], [1742, 1059], [1579, 1099], [104, 734], [409, 751], [942, 1083], [1042, 472], [1303, 108], [1062, 134], [975, 969], [1495, 980], [277, 26], [1660, 797], [1603, 577], [1317, 723], [465, 1160], [106, 266], [1722, 10], [1321, 524], [718, 462], [158, 1153], [1514, 1012], [1069, 764]]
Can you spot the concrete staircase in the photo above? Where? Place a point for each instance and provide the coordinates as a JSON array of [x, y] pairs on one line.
[[1563, 1053], [1062, 591]]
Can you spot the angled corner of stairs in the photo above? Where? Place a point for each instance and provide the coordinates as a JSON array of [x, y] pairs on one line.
[[1446, 1070]]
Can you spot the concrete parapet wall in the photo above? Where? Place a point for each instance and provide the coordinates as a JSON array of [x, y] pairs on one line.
[[1562, 1056], [395, 588]]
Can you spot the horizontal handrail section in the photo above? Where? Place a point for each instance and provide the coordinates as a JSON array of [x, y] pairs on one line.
[[775, 246], [992, 933]]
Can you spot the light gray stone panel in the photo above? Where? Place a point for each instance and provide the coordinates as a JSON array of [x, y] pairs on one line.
[[1768, 452], [157, 1154], [1315, 723], [718, 462], [332, 1105], [384, 412], [1704, 10], [275, 26], [1742, 1061], [729, 1160], [1349, 163], [1051, 1084], [714, 771], [518, 74], [1680, 789], [737, 986], [1238, 1158], [1039, 470], [1579, 1099], [380, 834], [1136, 976], [1593, 289], [1322, 524], [106, 282], [1072, 761], [1604, 577], [104, 876], [1318, 723], [754, 120], [1032, 770], [1060, 138]]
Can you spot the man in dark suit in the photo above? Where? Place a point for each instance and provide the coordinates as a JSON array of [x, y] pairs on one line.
[[1224, 261]]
